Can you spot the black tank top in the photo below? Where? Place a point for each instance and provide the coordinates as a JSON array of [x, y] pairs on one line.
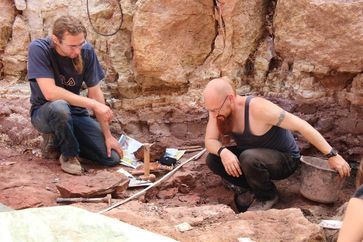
[[276, 138]]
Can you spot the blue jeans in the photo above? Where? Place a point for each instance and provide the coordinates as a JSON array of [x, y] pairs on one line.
[[259, 167], [76, 133]]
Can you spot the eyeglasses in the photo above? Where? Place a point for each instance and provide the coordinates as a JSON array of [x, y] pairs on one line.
[[74, 47], [220, 108]]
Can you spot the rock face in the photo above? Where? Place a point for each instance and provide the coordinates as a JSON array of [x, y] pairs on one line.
[[7, 17], [15, 56], [180, 37], [307, 52], [326, 34]]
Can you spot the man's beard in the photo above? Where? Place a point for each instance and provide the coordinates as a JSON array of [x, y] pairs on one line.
[[224, 124]]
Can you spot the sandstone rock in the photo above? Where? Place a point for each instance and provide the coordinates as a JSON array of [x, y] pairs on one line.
[[264, 55], [20, 4], [183, 227], [7, 16], [15, 56], [355, 95], [167, 194], [23, 199], [316, 32], [14, 118], [120, 189], [157, 150], [241, 24], [159, 73], [34, 16], [265, 226], [179, 38], [101, 183]]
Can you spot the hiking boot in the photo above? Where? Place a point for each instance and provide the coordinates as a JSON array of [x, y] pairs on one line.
[[48, 147], [71, 165], [259, 205], [243, 201]]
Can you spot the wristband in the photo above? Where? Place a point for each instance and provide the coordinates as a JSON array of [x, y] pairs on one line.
[[220, 150]]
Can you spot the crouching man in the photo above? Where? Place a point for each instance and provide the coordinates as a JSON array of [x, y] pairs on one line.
[[57, 67], [265, 150]]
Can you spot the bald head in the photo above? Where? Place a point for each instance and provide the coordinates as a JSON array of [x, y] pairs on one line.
[[218, 89]]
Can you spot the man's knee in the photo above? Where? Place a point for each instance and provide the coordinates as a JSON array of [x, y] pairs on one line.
[[60, 109], [249, 159]]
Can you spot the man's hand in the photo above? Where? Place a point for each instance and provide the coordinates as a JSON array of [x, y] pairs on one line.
[[340, 165], [103, 112], [230, 163], [111, 143]]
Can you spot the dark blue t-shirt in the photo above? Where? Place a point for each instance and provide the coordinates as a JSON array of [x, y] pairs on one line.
[[45, 62]]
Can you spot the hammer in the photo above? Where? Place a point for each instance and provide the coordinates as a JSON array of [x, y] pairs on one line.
[[106, 199], [147, 175]]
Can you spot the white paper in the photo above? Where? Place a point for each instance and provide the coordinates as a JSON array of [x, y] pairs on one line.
[[331, 224], [174, 153], [134, 182], [129, 146], [183, 227], [245, 239]]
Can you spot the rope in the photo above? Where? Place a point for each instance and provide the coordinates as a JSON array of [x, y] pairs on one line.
[[105, 34]]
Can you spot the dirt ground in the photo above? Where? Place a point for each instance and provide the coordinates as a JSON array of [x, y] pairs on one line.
[[26, 181]]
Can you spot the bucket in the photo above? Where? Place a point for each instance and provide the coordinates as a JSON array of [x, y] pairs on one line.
[[319, 183]]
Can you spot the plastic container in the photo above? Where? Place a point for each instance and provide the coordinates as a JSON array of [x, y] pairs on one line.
[[319, 183]]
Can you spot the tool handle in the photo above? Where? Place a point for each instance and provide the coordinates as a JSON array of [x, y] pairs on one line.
[[70, 199], [146, 160]]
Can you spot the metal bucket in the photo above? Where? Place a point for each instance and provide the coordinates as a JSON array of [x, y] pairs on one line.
[[318, 182]]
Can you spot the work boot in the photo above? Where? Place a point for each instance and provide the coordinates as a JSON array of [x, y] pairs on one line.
[[71, 165], [243, 201], [48, 147], [259, 205]]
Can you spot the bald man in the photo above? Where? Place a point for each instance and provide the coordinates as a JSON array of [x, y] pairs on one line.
[[265, 150]]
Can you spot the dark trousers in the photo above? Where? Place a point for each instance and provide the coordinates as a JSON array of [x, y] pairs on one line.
[[259, 167], [76, 133]]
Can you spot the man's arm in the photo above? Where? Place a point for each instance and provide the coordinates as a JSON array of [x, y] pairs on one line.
[[96, 93], [52, 92], [352, 228], [271, 114], [211, 140]]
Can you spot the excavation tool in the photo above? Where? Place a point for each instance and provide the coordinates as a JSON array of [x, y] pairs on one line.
[[195, 157], [106, 199], [147, 176]]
